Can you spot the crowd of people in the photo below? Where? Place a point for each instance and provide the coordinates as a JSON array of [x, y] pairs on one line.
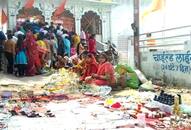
[[31, 47]]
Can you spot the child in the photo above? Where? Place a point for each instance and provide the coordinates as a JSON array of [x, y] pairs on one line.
[[21, 58], [60, 63]]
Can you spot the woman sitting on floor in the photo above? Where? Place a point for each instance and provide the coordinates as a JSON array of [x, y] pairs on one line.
[[105, 73], [80, 66], [91, 67]]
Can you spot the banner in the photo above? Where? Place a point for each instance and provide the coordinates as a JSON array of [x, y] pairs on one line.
[[60, 8], [4, 17], [156, 5], [29, 4]]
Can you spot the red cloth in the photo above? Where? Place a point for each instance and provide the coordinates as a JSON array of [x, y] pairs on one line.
[[87, 36], [60, 8], [4, 17], [92, 46], [29, 4], [103, 70], [116, 105], [32, 53], [90, 68]]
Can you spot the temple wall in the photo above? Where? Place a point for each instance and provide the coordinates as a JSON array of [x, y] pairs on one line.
[[78, 8]]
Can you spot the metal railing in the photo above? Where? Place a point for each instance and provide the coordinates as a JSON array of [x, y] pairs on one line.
[[166, 38]]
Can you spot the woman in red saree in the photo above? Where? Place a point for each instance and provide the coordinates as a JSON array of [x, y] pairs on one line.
[[34, 64], [91, 67], [105, 74]]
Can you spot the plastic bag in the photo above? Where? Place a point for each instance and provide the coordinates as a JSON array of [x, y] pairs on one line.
[[148, 86], [123, 69], [133, 82]]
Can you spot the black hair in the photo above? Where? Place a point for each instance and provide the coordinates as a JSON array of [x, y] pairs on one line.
[[90, 55], [9, 36], [104, 55], [47, 36], [92, 36], [64, 31], [40, 36], [84, 53], [20, 41], [78, 48], [51, 37]]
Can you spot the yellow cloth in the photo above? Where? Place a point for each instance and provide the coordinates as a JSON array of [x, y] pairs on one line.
[[41, 44], [76, 40], [109, 102], [81, 64]]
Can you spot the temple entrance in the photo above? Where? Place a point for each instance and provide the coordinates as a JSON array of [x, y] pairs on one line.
[[92, 23], [66, 19], [33, 14]]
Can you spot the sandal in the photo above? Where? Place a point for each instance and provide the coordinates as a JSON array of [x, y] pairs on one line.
[[13, 113], [32, 114], [49, 114]]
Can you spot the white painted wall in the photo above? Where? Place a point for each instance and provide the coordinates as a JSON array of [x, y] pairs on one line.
[[121, 19], [175, 13], [174, 71]]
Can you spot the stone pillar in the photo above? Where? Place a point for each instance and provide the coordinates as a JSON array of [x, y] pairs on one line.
[[104, 27], [48, 15], [47, 12], [77, 20], [109, 26], [12, 17]]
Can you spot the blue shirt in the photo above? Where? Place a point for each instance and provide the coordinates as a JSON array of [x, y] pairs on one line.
[[67, 45]]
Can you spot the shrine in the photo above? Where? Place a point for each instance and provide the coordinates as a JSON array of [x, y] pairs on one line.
[[88, 15]]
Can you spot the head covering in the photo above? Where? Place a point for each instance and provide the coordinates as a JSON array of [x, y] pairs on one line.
[[18, 32], [92, 57], [30, 37], [59, 32], [104, 55], [45, 32], [64, 35], [82, 35]]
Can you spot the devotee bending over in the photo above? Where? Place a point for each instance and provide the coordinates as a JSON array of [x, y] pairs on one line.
[[42, 48], [91, 67], [67, 45], [60, 63], [63, 62], [105, 73]]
